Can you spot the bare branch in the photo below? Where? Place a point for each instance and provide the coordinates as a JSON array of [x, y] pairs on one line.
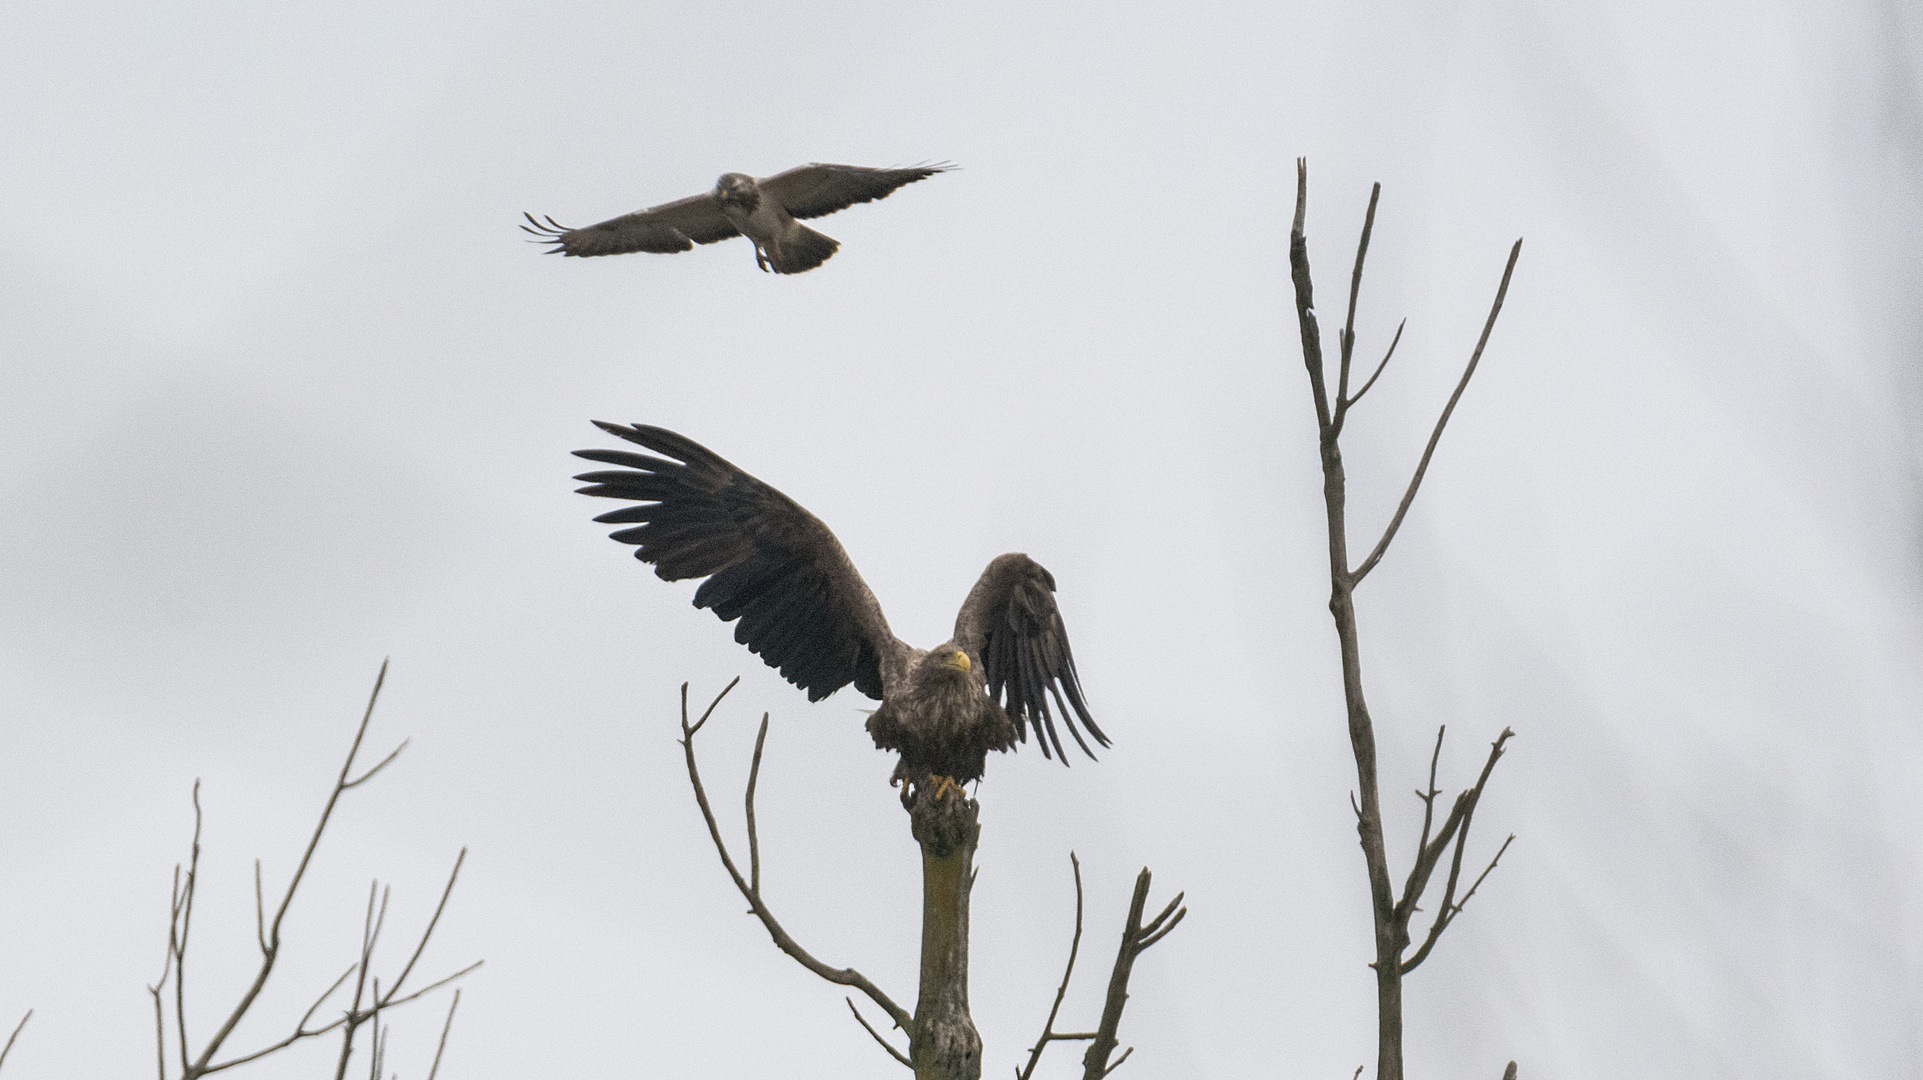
[[1305, 302], [160, 1031], [4, 1050], [1074, 946], [186, 909], [1435, 437], [1510, 1072], [369, 774], [1393, 342], [885, 1045], [1135, 939], [442, 1048], [838, 976], [1464, 811], [1347, 340], [1155, 931], [1428, 795], [709, 711], [754, 773], [446, 891]]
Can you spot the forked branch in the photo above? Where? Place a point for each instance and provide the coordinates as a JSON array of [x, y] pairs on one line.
[[751, 889], [1136, 939], [1455, 828]]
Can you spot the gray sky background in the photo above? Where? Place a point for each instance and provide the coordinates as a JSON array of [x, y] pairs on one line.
[[284, 394]]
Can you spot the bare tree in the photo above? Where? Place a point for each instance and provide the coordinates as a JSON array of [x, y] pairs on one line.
[[942, 1041], [370, 999], [1391, 912]]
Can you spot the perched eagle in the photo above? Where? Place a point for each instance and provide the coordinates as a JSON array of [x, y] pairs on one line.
[[802, 607], [763, 210]]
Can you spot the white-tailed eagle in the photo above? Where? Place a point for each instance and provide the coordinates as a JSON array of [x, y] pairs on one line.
[[800, 605]]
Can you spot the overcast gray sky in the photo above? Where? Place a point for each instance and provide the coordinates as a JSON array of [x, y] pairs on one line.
[[283, 394]]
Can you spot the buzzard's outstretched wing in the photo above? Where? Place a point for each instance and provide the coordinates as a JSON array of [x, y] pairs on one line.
[[809, 191], [1010, 623], [768, 562], [675, 226]]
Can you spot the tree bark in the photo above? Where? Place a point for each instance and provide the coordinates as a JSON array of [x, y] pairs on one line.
[[945, 1045]]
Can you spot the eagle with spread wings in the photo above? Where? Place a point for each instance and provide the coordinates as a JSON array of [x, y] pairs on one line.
[[776, 571], [765, 211]]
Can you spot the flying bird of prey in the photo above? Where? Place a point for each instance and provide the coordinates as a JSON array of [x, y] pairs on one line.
[[802, 607], [764, 211]]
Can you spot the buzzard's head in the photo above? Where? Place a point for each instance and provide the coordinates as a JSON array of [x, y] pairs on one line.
[[737, 189]]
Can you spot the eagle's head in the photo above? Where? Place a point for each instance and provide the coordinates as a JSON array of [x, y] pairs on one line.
[[948, 671], [737, 189]]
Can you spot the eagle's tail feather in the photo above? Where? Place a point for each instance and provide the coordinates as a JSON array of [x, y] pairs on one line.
[[802, 249]]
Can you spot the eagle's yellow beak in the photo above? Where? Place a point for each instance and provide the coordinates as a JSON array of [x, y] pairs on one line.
[[959, 661]]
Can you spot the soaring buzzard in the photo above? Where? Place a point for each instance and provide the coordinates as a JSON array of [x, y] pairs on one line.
[[804, 609], [764, 211]]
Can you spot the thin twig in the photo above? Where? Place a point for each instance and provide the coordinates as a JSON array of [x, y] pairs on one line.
[[754, 842], [838, 976], [446, 891], [1347, 341], [1442, 421], [374, 1045], [186, 921], [260, 912], [4, 1050], [369, 774], [863, 1021], [442, 1048], [1393, 342], [1074, 946], [1428, 794]]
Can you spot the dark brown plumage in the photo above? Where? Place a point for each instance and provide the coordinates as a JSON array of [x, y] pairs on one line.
[[780, 574], [765, 211]]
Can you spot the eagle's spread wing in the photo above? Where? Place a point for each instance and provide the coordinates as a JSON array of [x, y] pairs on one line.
[[809, 191], [768, 562], [1011, 623], [675, 226]]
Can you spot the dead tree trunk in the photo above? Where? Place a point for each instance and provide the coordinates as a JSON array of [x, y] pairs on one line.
[[946, 1045]]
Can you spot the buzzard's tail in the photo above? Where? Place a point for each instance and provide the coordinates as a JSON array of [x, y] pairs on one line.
[[802, 249]]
